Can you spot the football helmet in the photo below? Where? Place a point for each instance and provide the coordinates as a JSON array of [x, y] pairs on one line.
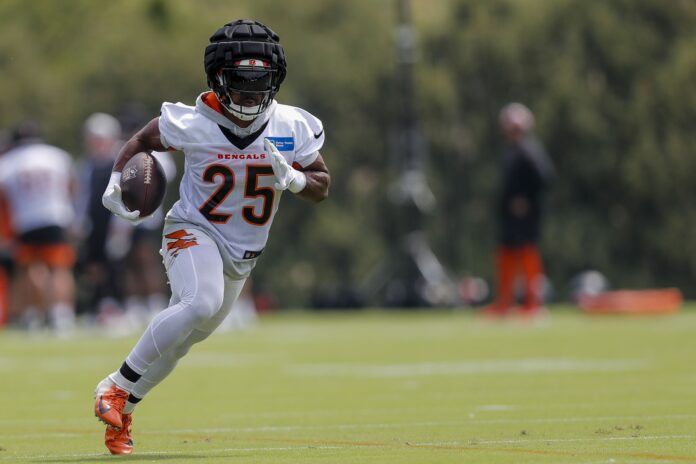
[[245, 65]]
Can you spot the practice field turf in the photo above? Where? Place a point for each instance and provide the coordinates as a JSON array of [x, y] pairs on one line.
[[374, 387]]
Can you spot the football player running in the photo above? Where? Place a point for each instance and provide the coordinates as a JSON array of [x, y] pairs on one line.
[[242, 149]]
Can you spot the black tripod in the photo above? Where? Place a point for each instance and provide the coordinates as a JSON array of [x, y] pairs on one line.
[[411, 275]]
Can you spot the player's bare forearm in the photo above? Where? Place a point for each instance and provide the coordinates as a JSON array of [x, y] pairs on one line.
[[318, 181], [146, 139]]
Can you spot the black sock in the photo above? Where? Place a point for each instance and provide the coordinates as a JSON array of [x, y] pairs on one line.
[[128, 373]]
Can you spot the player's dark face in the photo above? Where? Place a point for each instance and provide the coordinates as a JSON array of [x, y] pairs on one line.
[[247, 87], [248, 99]]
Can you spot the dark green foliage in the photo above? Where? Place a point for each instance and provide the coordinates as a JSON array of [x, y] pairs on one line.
[[611, 84]]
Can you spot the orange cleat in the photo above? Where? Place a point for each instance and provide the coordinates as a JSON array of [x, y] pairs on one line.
[[108, 406], [120, 441]]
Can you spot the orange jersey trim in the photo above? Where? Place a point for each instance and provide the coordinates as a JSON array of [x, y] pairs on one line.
[[210, 99]]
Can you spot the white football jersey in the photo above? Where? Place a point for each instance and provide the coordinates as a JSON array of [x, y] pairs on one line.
[[227, 185], [35, 178]]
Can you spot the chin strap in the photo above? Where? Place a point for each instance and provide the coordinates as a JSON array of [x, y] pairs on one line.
[[252, 113], [237, 111]]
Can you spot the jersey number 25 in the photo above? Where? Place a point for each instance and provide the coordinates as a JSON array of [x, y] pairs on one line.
[[251, 190]]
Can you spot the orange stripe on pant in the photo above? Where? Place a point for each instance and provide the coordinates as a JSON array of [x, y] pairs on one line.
[[509, 261], [180, 240]]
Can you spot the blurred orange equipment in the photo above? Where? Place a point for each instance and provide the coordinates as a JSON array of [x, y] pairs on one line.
[[652, 301]]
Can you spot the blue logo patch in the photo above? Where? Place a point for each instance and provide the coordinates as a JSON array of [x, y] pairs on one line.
[[283, 143]]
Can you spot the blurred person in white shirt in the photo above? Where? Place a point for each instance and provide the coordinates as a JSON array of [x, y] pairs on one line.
[[37, 185]]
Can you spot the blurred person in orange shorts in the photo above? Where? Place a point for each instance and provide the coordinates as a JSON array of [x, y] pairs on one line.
[[5, 241], [5, 260], [526, 173], [36, 182]]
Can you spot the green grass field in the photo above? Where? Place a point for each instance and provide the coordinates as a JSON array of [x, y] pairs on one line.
[[374, 387]]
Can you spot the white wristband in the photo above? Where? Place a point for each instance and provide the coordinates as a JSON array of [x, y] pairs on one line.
[[115, 179], [299, 182]]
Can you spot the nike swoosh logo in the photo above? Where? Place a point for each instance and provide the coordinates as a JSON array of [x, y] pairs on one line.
[[103, 409], [316, 136]]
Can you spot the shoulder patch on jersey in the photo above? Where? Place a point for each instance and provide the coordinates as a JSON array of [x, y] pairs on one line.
[[283, 143]]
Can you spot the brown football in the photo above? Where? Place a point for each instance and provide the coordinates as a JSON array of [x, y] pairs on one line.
[[143, 184]]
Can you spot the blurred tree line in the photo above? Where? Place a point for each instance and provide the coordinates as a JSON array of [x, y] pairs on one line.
[[611, 84]]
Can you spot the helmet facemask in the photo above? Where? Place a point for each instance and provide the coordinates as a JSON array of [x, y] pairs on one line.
[[247, 88]]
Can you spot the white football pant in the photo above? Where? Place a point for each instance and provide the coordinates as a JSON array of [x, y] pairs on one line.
[[202, 296]]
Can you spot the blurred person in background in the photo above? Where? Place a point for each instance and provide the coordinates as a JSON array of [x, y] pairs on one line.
[[526, 173], [5, 243], [144, 282], [243, 149], [37, 183], [243, 314], [105, 238], [5, 261]]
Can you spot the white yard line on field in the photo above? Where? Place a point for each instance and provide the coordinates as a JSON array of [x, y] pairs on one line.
[[24, 436], [494, 407], [481, 366], [486, 366], [289, 428], [545, 420], [194, 360], [557, 440], [618, 460]]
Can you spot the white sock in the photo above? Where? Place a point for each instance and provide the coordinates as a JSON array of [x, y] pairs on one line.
[[108, 382], [129, 407], [121, 382], [104, 385]]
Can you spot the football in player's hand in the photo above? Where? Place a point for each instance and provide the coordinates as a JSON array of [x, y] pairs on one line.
[[143, 184]]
